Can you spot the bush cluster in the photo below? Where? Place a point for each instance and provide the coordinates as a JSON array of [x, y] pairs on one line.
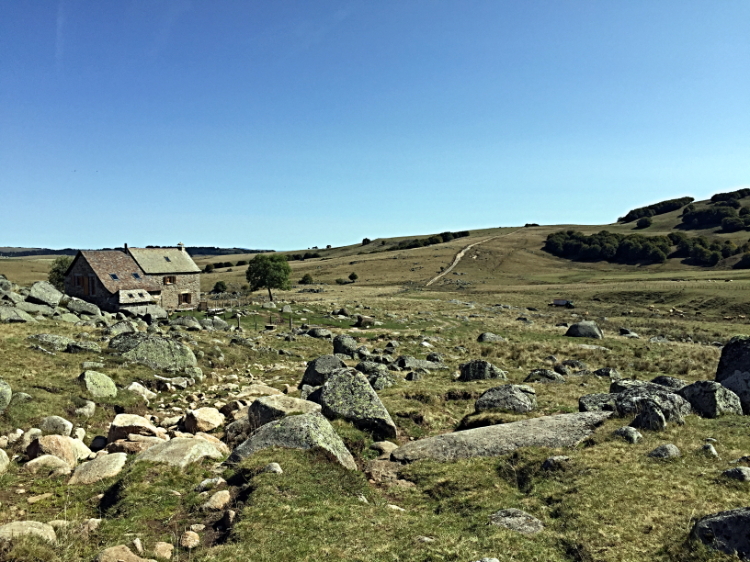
[[701, 251], [739, 194], [306, 279], [220, 264], [616, 248], [422, 242], [656, 209], [302, 257]]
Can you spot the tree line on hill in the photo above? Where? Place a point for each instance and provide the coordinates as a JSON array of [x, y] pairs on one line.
[[656, 209], [429, 241], [636, 248], [725, 210]]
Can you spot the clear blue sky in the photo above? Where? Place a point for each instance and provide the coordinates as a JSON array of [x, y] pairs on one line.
[[285, 125]]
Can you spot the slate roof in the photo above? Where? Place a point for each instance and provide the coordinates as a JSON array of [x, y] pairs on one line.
[[132, 296], [108, 262], [158, 261]]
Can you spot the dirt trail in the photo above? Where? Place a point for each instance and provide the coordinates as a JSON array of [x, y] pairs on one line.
[[460, 255]]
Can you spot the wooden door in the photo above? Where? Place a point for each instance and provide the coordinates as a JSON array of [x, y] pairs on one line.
[[85, 285]]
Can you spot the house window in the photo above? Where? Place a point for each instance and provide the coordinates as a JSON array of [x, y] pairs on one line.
[[185, 298], [78, 280], [166, 258], [170, 280], [136, 276], [114, 277]]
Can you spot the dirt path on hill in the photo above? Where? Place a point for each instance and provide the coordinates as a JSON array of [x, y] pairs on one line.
[[460, 255]]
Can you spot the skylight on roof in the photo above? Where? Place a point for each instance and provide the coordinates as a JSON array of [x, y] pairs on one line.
[[135, 275], [114, 277], [130, 295], [166, 258], [140, 294]]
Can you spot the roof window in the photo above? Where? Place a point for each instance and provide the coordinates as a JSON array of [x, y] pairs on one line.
[[114, 277], [136, 276], [166, 258], [140, 294], [131, 295]]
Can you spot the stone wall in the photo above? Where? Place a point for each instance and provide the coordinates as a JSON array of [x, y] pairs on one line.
[[184, 283], [101, 297]]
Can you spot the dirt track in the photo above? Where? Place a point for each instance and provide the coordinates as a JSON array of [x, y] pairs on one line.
[[460, 255]]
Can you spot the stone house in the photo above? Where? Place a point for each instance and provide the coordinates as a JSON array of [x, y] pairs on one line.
[[133, 278], [174, 271]]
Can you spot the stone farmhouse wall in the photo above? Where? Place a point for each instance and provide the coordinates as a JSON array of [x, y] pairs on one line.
[[184, 283], [99, 296]]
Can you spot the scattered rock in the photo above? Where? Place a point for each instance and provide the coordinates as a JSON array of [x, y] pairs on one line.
[[318, 370], [347, 394], [672, 383], [180, 452], [517, 520], [130, 424], [630, 434], [735, 356], [544, 376], [558, 462], [55, 425], [667, 451], [516, 398], [154, 351], [120, 553], [98, 469], [203, 419], [305, 431], [190, 540], [710, 399], [741, 473], [650, 417], [18, 529], [98, 384], [596, 403], [218, 501], [739, 383], [44, 293], [585, 330], [268, 408], [725, 531], [163, 550], [489, 337], [480, 370], [273, 468]]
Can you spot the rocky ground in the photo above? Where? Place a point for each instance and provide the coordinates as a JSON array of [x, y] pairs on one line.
[[387, 428]]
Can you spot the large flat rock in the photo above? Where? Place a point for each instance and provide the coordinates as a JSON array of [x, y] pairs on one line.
[[180, 452], [564, 430], [100, 468]]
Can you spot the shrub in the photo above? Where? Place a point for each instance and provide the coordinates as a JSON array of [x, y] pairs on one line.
[[353, 277], [366, 241], [209, 268], [241, 262], [219, 287], [644, 222], [58, 270], [707, 218], [341, 281], [739, 194], [744, 262], [306, 279], [732, 224]]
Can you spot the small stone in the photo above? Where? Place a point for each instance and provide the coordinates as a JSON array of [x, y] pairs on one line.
[[189, 540], [210, 483], [395, 507], [218, 501], [55, 425], [556, 463], [229, 518], [274, 468], [197, 528], [163, 550], [517, 520], [35, 499], [710, 451], [667, 451], [138, 545], [630, 434], [741, 473]]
